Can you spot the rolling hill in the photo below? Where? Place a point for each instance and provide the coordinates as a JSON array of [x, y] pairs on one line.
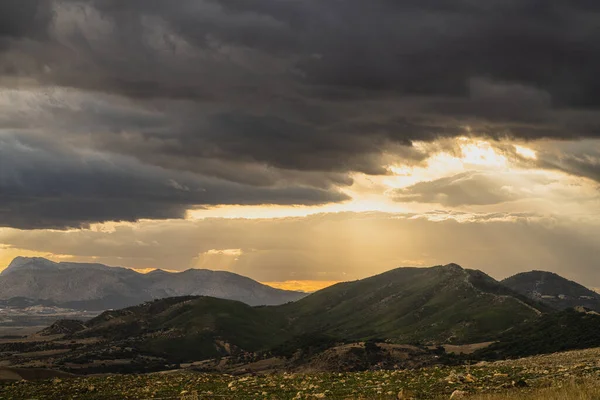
[[439, 304], [99, 287], [429, 305], [554, 290]]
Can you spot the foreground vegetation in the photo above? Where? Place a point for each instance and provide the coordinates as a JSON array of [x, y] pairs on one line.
[[582, 389], [528, 378]]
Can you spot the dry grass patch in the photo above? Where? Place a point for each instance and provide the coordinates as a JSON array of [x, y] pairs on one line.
[[588, 389]]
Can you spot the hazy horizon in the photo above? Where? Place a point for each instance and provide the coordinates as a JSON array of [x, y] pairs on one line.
[[307, 286]]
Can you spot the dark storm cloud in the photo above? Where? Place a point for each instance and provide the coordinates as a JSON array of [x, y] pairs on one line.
[[42, 186], [413, 47], [257, 93], [504, 67], [24, 18]]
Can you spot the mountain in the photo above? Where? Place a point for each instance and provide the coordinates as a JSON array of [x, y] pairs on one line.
[[553, 289], [99, 287], [429, 305]]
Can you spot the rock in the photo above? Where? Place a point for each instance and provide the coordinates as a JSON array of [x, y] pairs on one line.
[[405, 395], [458, 394]]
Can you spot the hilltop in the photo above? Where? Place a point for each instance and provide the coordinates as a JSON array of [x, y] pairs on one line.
[[553, 290]]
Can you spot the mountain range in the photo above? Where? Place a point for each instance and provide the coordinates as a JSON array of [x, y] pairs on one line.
[[99, 287]]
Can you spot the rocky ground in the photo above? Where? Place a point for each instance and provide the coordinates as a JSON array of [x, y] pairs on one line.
[[507, 379]]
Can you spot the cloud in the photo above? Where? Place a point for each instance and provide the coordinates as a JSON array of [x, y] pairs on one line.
[[24, 19], [579, 158], [474, 188], [47, 186], [276, 101], [336, 247], [318, 86]]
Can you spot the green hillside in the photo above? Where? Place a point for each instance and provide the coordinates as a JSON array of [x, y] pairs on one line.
[[549, 333], [444, 304], [439, 304], [190, 327]]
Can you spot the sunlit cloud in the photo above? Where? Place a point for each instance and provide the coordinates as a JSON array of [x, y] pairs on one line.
[[526, 152], [485, 167], [217, 259], [480, 153]]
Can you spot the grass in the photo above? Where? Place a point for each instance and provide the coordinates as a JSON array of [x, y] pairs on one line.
[[586, 389], [543, 377]]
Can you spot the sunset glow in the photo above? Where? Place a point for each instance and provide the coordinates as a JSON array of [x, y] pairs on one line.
[[301, 286]]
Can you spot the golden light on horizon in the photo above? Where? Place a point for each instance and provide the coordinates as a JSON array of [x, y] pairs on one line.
[[301, 285]]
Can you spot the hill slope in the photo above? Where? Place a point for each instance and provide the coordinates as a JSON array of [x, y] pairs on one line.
[[99, 287], [190, 327], [553, 289], [549, 333], [439, 304], [435, 305]]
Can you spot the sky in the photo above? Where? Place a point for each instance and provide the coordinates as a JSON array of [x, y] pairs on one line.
[[302, 142]]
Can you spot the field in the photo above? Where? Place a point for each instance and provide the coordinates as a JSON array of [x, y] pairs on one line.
[[522, 379]]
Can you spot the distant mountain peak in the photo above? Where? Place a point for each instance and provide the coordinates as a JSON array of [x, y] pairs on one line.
[[21, 262], [553, 289], [158, 272], [453, 267]]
